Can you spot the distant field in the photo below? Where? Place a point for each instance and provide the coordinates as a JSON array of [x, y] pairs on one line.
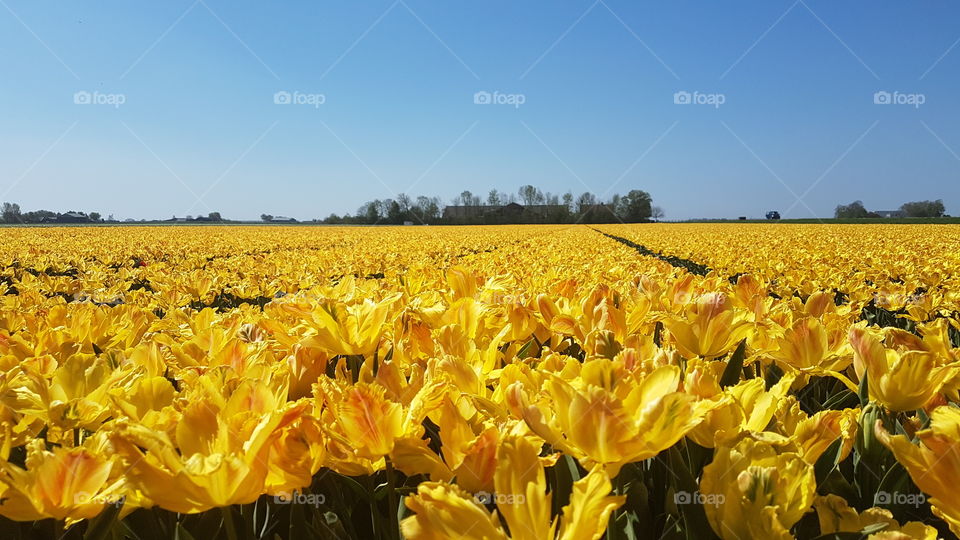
[[693, 380], [942, 221], [886, 221]]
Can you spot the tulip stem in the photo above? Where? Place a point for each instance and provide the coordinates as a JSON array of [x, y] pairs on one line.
[[613, 532], [231, 527], [392, 501]]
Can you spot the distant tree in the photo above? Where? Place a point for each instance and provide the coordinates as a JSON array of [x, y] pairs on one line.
[[637, 205], [94, 216], [529, 195], [383, 206], [568, 201], [10, 212], [369, 212], [585, 201], [404, 201], [656, 212], [924, 209], [394, 213], [493, 198], [36, 216], [852, 210], [110, 217], [467, 198], [266, 217], [428, 208], [214, 216]]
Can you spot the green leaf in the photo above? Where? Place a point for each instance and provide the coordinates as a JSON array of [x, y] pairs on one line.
[[692, 512], [828, 461], [101, 525], [525, 351], [182, 534], [731, 374], [863, 391]]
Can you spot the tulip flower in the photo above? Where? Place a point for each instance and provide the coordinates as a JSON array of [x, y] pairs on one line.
[[709, 327], [447, 511], [218, 455], [934, 464], [752, 491], [68, 484], [745, 407], [349, 329], [836, 516], [900, 381], [626, 421]]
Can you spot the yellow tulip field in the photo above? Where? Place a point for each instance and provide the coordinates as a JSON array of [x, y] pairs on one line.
[[664, 381]]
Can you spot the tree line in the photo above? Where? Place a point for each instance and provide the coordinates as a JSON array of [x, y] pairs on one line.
[[11, 213], [499, 207], [915, 209]]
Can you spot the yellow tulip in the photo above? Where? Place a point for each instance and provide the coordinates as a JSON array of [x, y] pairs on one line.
[[752, 491], [348, 329], [447, 511], [810, 436], [443, 511], [219, 453], [900, 381], [836, 516], [66, 484], [709, 327], [807, 346], [934, 464], [745, 407], [597, 425]]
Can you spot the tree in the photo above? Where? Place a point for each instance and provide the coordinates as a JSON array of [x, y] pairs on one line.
[[529, 195], [493, 198], [924, 209], [852, 210], [568, 201], [428, 208], [656, 212], [266, 217], [405, 202], [394, 213], [214, 216], [467, 198], [36, 216], [94, 216], [636, 206], [585, 201], [369, 212], [10, 212]]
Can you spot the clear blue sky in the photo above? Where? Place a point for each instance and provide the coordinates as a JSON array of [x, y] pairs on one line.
[[398, 80]]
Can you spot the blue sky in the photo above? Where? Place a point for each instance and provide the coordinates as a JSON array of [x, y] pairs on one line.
[[198, 128]]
